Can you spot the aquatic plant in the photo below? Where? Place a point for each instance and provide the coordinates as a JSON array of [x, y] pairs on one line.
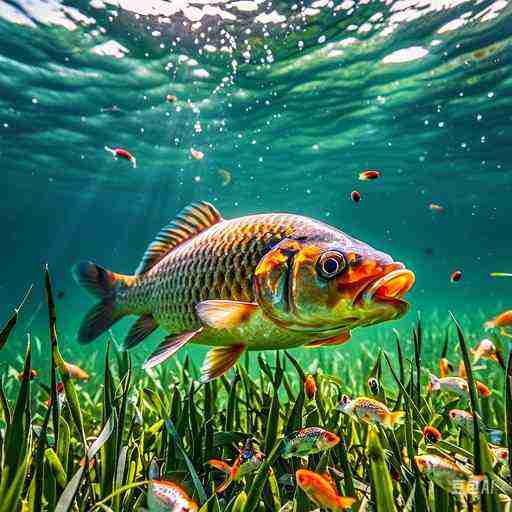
[[100, 448]]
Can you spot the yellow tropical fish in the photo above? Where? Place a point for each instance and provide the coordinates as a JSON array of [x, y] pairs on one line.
[[370, 410], [261, 282]]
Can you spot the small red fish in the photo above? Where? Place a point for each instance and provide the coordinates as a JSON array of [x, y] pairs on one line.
[[369, 174], [431, 434], [171, 98], [76, 372], [60, 395], [310, 386], [166, 495], [248, 461], [456, 276], [31, 375], [501, 321], [122, 153], [356, 196]]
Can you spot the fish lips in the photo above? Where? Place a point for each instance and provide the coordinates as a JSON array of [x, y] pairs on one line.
[[389, 288]]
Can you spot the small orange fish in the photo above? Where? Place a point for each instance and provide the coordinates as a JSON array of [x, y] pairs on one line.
[[369, 174], [321, 491], [436, 207], [502, 320], [248, 461], [370, 411], [30, 375], [431, 434], [165, 495], [76, 372], [456, 385], [122, 153], [60, 395], [171, 98], [356, 196], [482, 389], [196, 154], [486, 349], [456, 276], [310, 386], [445, 367]]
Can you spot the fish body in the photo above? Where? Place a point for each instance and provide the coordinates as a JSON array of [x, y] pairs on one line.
[[370, 411], [76, 372], [321, 491], [169, 497], [502, 320], [462, 419], [307, 441], [269, 281], [455, 385], [486, 349], [447, 474], [310, 386], [247, 462]]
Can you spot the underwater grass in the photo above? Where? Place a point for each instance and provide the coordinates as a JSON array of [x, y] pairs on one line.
[[100, 447]]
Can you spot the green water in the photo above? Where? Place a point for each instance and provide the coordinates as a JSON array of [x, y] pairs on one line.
[[293, 101]]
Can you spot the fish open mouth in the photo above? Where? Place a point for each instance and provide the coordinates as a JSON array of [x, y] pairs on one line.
[[391, 287]]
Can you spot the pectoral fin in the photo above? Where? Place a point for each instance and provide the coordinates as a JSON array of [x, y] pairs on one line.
[[219, 360], [168, 348], [225, 314], [335, 340]]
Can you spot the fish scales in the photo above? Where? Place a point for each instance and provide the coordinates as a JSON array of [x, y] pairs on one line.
[[219, 263]]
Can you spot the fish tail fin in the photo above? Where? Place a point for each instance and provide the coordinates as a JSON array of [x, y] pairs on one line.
[[103, 284], [344, 503], [226, 469], [394, 418]]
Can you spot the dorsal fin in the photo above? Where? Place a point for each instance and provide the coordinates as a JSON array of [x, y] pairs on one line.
[[188, 223]]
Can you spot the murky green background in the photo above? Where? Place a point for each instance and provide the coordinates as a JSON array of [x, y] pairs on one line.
[[293, 100]]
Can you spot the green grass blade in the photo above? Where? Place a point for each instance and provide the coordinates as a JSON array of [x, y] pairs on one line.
[[380, 474], [193, 473], [11, 322]]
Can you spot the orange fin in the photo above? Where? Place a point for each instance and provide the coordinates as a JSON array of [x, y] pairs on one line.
[[220, 465], [168, 348], [225, 314], [343, 502], [141, 329], [219, 360], [335, 340], [224, 485], [191, 221]]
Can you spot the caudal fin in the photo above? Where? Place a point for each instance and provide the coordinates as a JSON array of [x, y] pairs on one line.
[[394, 419], [103, 284]]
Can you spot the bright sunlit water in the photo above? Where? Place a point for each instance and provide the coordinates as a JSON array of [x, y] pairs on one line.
[[288, 102]]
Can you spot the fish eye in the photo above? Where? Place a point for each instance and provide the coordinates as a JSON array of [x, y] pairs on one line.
[[330, 264], [345, 399]]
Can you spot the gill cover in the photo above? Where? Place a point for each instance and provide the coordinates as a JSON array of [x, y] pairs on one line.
[[288, 288]]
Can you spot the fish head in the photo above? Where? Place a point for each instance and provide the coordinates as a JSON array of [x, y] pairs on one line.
[[328, 440], [306, 480], [346, 404], [327, 282]]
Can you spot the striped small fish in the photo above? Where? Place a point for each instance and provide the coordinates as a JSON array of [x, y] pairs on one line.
[[269, 281]]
